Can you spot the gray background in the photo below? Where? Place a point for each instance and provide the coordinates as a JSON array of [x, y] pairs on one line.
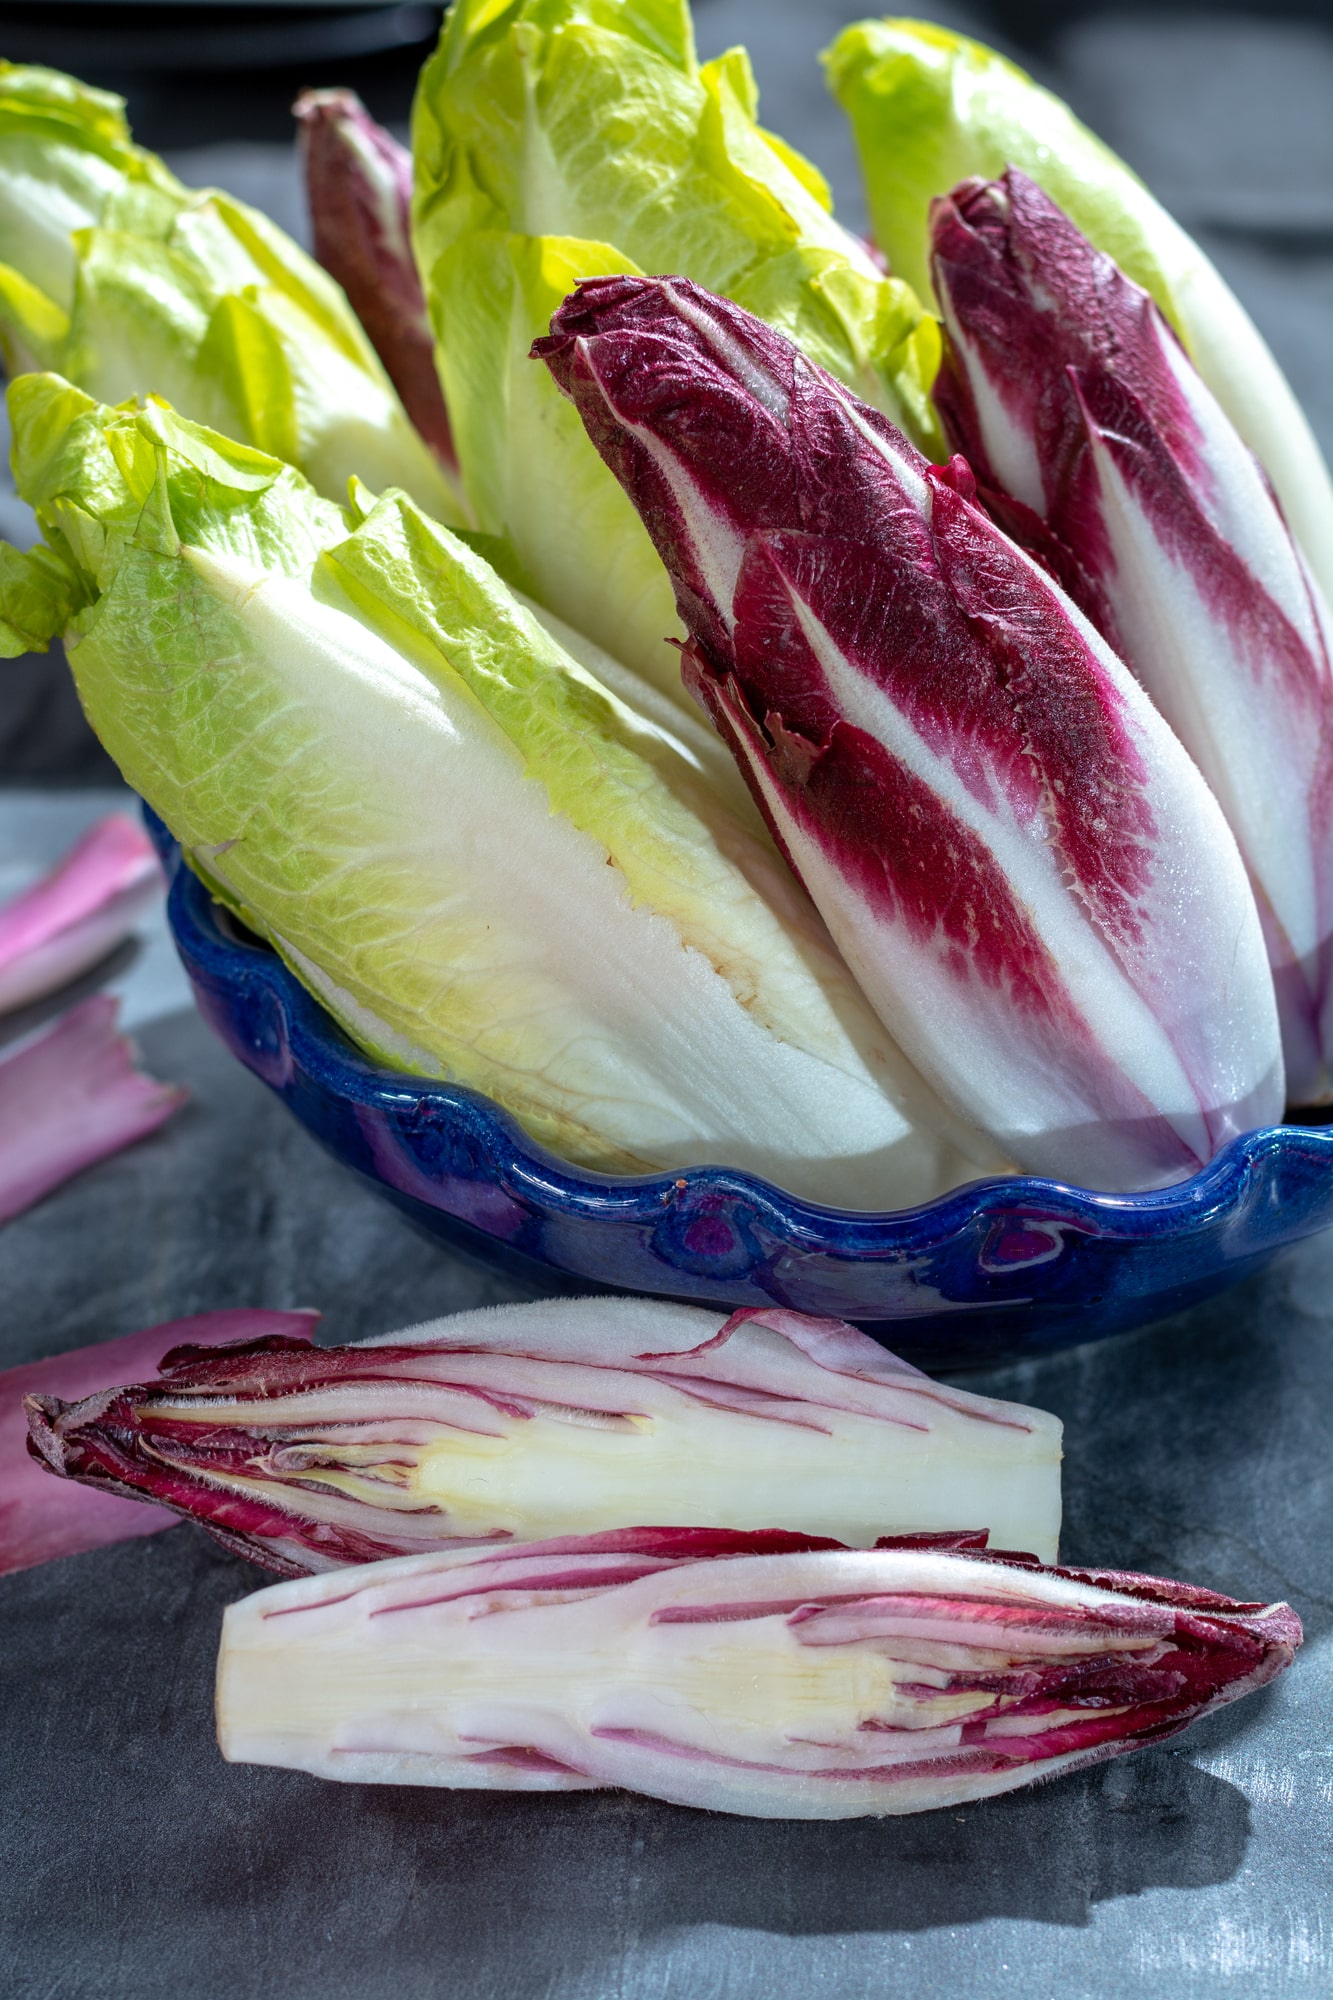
[[137, 1864]]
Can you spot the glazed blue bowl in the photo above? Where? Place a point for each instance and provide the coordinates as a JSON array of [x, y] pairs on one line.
[[1000, 1269]]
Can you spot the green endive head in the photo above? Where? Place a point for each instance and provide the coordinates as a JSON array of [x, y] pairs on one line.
[[533, 476], [67, 162], [487, 866], [556, 140], [131, 284], [930, 108], [578, 118]]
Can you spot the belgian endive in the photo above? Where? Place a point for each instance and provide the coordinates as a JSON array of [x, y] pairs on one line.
[[358, 182], [930, 107], [485, 865], [760, 1674], [568, 1416], [1027, 874], [556, 140], [131, 284], [1067, 390]]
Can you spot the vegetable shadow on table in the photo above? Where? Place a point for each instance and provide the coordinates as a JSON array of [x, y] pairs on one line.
[[1154, 1821]]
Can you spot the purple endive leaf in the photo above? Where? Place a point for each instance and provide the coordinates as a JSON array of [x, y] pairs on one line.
[[1026, 873], [78, 913], [540, 1419], [359, 186], [70, 1098], [1072, 398], [41, 1517], [792, 1682]]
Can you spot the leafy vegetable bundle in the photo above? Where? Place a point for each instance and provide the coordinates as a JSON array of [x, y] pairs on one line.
[[461, 784], [1045, 731]]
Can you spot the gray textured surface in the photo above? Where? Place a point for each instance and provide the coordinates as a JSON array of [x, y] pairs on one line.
[[136, 1864], [140, 1865]]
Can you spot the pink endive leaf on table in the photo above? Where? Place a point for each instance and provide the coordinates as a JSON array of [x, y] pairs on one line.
[[1026, 873], [359, 186], [70, 1098], [42, 1517], [1097, 443], [559, 1417], [78, 913], [783, 1682]]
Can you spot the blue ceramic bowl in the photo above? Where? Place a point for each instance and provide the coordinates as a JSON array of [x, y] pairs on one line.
[[998, 1269]]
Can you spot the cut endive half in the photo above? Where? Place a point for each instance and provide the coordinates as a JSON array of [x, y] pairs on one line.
[[764, 1674], [561, 1417]]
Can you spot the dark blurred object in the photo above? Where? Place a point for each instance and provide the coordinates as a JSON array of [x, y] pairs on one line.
[[1228, 118], [1032, 23], [197, 74], [44, 738]]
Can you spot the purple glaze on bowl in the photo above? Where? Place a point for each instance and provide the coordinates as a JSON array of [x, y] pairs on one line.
[[997, 1269]]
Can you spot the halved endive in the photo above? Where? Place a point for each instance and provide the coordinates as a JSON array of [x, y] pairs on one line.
[[761, 1674], [556, 140], [131, 284], [930, 108], [567, 1416], [487, 867]]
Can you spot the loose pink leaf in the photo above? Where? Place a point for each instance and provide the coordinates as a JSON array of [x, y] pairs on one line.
[[41, 1517], [540, 1419], [359, 185], [1098, 443], [790, 1682], [89, 903], [70, 1098], [1027, 875]]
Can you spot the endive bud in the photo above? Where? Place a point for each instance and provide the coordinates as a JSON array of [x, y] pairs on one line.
[[1066, 389], [1032, 883], [359, 187], [929, 108], [562, 1417], [746, 1674]]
